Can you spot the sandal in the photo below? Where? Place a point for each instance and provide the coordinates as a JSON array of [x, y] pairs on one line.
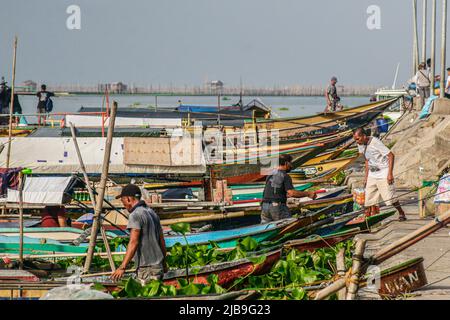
[[402, 218]]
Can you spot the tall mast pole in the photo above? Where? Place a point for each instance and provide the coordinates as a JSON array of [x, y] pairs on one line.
[[433, 46], [424, 31], [443, 47]]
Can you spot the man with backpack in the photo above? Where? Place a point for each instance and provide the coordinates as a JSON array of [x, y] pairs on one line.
[[45, 104]]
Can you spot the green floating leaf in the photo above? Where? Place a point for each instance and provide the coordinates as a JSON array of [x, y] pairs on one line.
[[257, 260], [133, 288], [248, 244], [181, 227]]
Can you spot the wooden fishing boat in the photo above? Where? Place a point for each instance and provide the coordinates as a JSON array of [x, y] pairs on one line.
[[256, 169], [323, 169], [323, 123], [364, 223], [324, 202], [227, 272], [10, 245], [17, 132], [66, 234], [316, 242], [230, 238]]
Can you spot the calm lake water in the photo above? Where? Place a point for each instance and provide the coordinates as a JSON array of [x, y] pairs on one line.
[[282, 106]]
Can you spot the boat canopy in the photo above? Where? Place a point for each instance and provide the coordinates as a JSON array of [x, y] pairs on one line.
[[44, 190], [57, 155]]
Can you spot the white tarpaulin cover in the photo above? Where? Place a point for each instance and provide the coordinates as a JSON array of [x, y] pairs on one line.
[[41, 190], [58, 155], [81, 121]]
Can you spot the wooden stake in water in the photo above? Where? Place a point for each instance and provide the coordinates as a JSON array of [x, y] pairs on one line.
[[11, 107], [101, 188], [443, 48]]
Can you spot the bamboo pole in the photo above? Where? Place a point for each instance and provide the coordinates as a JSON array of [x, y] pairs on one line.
[[443, 48], [357, 269], [416, 38], [101, 192], [21, 220], [91, 194], [340, 268], [11, 107], [433, 46], [424, 31]]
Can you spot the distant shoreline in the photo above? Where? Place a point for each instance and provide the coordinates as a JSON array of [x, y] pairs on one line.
[[183, 94]]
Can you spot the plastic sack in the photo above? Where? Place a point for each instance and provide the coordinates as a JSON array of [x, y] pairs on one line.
[[443, 190], [359, 196], [75, 292]]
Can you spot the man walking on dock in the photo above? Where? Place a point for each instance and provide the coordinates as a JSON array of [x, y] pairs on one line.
[[146, 247], [276, 191], [332, 96], [379, 178]]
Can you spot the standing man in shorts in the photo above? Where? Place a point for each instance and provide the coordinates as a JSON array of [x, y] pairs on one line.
[[379, 168], [276, 191]]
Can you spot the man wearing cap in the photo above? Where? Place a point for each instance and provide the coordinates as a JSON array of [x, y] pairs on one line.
[[146, 247], [332, 96], [278, 188]]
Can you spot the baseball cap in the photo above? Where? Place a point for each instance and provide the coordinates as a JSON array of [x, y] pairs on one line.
[[333, 79], [130, 190]]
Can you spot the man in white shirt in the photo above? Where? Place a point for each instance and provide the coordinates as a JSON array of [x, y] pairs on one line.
[[447, 85], [379, 180]]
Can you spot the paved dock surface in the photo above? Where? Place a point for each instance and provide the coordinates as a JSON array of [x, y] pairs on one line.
[[435, 249]]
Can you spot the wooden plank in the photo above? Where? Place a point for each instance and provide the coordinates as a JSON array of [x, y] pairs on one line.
[[147, 151]]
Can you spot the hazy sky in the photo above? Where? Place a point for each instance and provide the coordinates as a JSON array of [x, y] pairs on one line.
[[185, 42]]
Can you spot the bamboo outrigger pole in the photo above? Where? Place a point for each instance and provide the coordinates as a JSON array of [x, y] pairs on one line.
[[433, 47], [443, 48], [101, 188], [11, 107]]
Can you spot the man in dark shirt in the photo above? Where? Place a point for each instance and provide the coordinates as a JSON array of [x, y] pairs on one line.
[[146, 247], [43, 100], [276, 191]]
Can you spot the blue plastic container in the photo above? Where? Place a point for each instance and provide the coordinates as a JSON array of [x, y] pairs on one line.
[[383, 125]]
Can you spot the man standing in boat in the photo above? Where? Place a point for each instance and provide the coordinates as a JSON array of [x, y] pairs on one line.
[[332, 96], [146, 247], [379, 177], [278, 188]]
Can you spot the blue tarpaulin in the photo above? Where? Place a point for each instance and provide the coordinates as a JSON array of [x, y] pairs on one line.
[[426, 108]]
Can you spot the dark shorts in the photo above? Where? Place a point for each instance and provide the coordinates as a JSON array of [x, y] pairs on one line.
[[148, 274], [271, 212]]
